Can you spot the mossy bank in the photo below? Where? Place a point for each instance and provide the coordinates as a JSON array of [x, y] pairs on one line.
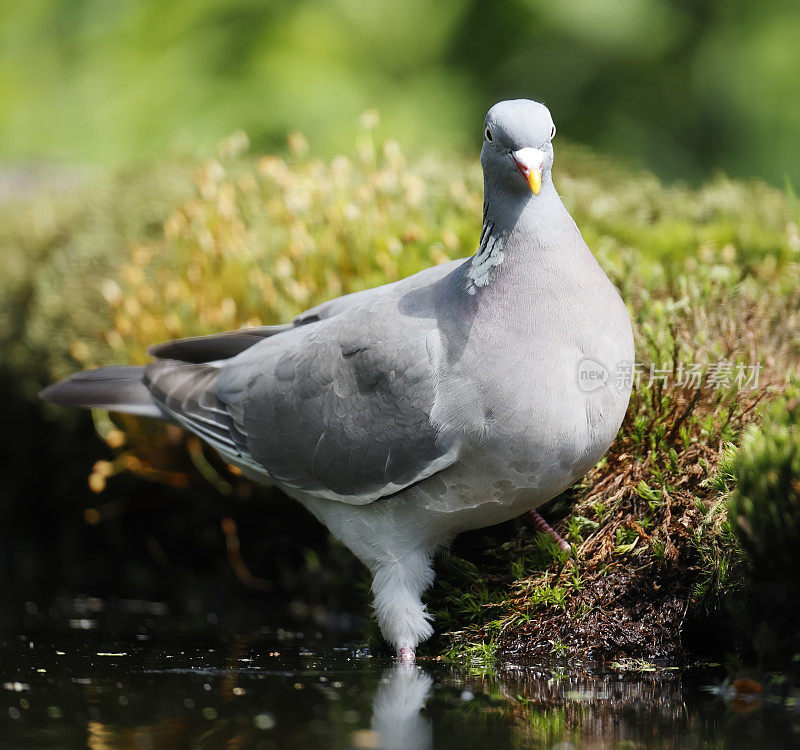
[[710, 277]]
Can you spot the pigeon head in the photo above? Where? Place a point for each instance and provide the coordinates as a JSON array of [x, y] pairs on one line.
[[517, 152]]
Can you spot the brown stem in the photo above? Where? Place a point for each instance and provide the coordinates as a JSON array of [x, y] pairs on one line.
[[235, 557]]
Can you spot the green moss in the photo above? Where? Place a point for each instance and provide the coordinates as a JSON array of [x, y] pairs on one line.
[[759, 570], [710, 277], [765, 506]]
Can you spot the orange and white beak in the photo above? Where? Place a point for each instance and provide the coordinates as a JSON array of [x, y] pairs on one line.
[[530, 162]]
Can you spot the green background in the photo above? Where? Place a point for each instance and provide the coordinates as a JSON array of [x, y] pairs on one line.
[[684, 88]]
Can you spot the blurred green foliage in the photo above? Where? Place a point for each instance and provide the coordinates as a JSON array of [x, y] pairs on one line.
[[765, 506], [56, 246], [683, 88], [764, 511], [101, 272]]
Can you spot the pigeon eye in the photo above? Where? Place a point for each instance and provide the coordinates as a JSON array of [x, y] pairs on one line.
[[488, 134], [552, 132]]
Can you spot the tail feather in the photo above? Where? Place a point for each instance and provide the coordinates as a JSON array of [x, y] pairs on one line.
[[115, 388], [202, 349]]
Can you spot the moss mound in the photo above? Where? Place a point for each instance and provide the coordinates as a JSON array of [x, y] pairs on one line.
[[765, 506], [710, 277], [764, 510]]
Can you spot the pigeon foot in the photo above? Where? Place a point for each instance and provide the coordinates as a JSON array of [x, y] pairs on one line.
[[406, 654], [545, 527]]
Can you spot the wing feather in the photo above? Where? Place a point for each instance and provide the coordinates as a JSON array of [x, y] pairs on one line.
[[337, 405], [340, 409]]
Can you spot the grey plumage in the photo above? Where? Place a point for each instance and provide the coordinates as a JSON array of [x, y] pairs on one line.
[[404, 414], [116, 388], [199, 349]]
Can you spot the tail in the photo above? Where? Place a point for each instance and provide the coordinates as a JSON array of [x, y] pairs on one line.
[[114, 388]]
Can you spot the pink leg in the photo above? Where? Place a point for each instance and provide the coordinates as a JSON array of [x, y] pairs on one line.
[[545, 527], [406, 654]]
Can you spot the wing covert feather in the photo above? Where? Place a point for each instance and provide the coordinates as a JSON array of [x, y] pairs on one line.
[[341, 408]]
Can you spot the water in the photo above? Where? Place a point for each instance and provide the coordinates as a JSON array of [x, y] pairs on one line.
[[85, 673]]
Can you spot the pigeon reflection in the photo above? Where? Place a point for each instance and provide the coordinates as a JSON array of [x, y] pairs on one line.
[[397, 709]]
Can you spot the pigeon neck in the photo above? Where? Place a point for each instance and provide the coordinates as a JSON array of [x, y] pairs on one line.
[[507, 219]]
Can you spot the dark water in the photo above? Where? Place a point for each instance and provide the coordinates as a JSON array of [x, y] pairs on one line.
[[86, 673]]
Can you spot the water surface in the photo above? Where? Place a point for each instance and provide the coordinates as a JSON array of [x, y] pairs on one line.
[[129, 674]]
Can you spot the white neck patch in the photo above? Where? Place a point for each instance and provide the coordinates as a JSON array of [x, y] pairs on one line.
[[489, 256]]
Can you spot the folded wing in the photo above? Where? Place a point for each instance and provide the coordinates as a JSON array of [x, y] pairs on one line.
[[339, 409]]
